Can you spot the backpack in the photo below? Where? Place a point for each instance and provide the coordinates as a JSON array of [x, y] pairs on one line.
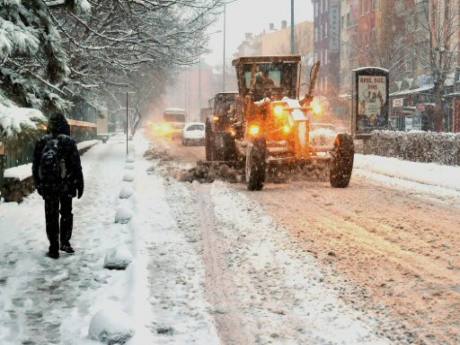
[[52, 169]]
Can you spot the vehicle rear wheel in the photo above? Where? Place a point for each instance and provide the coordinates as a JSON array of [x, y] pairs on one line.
[[342, 161], [255, 165], [210, 146]]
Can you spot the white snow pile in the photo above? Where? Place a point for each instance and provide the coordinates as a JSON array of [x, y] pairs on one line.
[[123, 215], [13, 120], [128, 177], [19, 173], [84, 145], [417, 146], [426, 173], [126, 192], [118, 258], [111, 326]]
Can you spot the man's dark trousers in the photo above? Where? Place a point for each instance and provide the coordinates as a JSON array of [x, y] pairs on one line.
[[54, 227]]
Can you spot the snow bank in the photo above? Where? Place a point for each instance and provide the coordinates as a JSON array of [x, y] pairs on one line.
[[123, 215], [111, 326], [426, 173], [84, 145], [118, 258], [13, 120], [126, 192], [19, 173], [128, 177], [416, 146]]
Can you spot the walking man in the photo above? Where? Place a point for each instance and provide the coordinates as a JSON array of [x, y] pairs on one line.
[[58, 178]]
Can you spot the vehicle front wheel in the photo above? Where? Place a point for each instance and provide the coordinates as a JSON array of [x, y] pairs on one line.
[[342, 161], [255, 165]]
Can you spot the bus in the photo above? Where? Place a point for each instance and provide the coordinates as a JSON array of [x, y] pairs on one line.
[[172, 124]]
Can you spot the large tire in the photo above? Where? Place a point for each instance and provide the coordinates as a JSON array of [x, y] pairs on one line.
[[210, 146], [229, 152], [342, 161], [255, 165]]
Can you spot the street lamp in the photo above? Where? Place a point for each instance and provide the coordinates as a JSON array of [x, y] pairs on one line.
[[292, 28], [225, 46], [127, 119]]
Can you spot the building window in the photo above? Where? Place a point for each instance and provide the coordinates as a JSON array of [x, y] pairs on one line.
[[375, 5], [325, 28], [325, 57]]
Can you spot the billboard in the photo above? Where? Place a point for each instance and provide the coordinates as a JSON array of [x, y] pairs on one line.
[[370, 100]]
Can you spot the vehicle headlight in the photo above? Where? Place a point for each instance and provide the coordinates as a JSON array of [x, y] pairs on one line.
[[254, 130], [287, 129], [278, 111], [316, 107]]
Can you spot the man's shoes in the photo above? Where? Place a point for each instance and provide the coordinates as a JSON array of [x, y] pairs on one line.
[[53, 254], [67, 248]]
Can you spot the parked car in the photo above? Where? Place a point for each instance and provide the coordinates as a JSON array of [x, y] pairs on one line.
[[193, 134]]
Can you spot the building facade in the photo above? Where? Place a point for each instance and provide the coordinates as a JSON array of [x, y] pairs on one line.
[[394, 34], [327, 45]]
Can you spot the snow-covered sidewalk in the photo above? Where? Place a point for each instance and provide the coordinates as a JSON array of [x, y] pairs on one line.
[[122, 220], [43, 301], [432, 179]]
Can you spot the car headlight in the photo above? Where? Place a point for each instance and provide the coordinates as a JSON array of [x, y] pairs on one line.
[[254, 130]]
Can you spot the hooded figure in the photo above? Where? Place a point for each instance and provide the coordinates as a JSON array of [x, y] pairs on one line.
[[58, 178]]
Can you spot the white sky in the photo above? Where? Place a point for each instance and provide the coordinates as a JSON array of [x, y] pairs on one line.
[[253, 16]]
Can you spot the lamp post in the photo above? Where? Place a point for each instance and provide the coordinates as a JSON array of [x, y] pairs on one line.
[[199, 85], [127, 119], [293, 48], [224, 49]]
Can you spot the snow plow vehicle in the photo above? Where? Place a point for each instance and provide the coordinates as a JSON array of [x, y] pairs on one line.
[[219, 132], [270, 128]]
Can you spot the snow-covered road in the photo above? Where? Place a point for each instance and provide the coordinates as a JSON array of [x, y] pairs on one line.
[[299, 263], [387, 246]]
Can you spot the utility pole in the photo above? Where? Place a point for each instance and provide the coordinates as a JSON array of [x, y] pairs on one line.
[[127, 121], [293, 48], [225, 46], [199, 85]]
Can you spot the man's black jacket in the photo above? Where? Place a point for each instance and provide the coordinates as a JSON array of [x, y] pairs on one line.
[[68, 151]]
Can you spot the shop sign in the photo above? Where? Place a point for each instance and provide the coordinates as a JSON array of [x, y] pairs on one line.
[[398, 102]]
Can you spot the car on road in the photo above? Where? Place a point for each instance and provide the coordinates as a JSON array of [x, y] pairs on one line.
[[322, 134], [193, 134]]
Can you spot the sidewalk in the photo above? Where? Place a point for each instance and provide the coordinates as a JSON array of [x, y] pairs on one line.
[[43, 301], [160, 294]]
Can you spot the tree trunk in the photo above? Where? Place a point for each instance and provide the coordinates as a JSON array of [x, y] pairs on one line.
[[438, 110]]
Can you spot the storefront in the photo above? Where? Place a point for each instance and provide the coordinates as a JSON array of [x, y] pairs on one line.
[[411, 109]]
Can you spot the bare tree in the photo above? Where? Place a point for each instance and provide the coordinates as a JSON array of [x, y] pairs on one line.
[[441, 51], [386, 44]]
